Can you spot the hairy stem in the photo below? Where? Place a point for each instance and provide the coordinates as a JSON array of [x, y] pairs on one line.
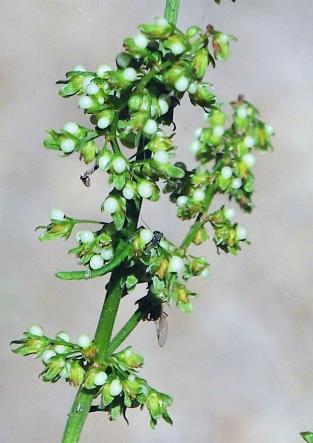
[[83, 400]]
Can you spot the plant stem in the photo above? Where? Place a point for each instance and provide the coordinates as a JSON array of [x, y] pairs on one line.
[[171, 10], [83, 400]]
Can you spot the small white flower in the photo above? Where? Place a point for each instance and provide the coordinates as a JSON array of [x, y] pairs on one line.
[[115, 388], [36, 330], [176, 264], [161, 157], [64, 336], [229, 213], [145, 189], [226, 172], [96, 262], [123, 59], [236, 183], [86, 236], [141, 41], [103, 161], [79, 68], [241, 232], [163, 104], [198, 195], [193, 87], [128, 192], [162, 22], [92, 89], [146, 235], [71, 128], [177, 48], [205, 273], [182, 84], [242, 112], [249, 160], [111, 205], [86, 82], [85, 102], [150, 127], [106, 254], [182, 201], [67, 145], [119, 165], [100, 378], [83, 341], [218, 131], [60, 349], [248, 141], [57, 214], [103, 122], [195, 146], [47, 355], [130, 74], [102, 70], [269, 129]]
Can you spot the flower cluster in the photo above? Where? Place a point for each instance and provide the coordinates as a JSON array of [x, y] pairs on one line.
[[115, 381]]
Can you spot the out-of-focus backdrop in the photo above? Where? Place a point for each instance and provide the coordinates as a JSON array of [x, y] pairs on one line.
[[241, 366]]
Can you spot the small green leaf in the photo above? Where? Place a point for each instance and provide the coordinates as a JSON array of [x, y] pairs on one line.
[[307, 436]]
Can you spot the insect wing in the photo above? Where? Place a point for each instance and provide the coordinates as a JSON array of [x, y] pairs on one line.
[[162, 329]]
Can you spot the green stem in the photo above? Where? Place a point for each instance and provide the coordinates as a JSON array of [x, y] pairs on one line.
[[83, 400], [171, 10]]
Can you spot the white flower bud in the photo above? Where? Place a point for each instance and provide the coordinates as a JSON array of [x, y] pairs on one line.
[[205, 273], [103, 122], [236, 183], [193, 87], [218, 131], [115, 388], [229, 213], [96, 262], [150, 127], [103, 161], [111, 205], [123, 59], [195, 146], [47, 355], [241, 232], [182, 84], [36, 330], [60, 349], [85, 102], [141, 41], [92, 89], [242, 112], [71, 128], [145, 189], [86, 236], [64, 336], [57, 214], [83, 341], [226, 172], [269, 129], [100, 378], [248, 141], [249, 160], [182, 201], [161, 157], [119, 165], [77, 236], [162, 22], [102, 70], [163, 104], [67, 145], [198, 195], [87, 80], [106, 254], [176, 264], [177, 48], [146, 235], [130, 74], [79, 68], [128, 192]]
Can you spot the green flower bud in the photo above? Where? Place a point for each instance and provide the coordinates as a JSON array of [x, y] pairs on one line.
[[203, 97], [76, 373], [159, 30], [54, 367], [130, 358], [192, 31], [31, 345], [57, 229], [135, 102], [176, 44], [88, 151], [200, 63]]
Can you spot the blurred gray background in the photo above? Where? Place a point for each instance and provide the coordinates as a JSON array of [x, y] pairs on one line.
[[241, 366]]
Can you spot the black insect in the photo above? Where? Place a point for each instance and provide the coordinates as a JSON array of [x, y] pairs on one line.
[[155, 241], [85, 178]]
